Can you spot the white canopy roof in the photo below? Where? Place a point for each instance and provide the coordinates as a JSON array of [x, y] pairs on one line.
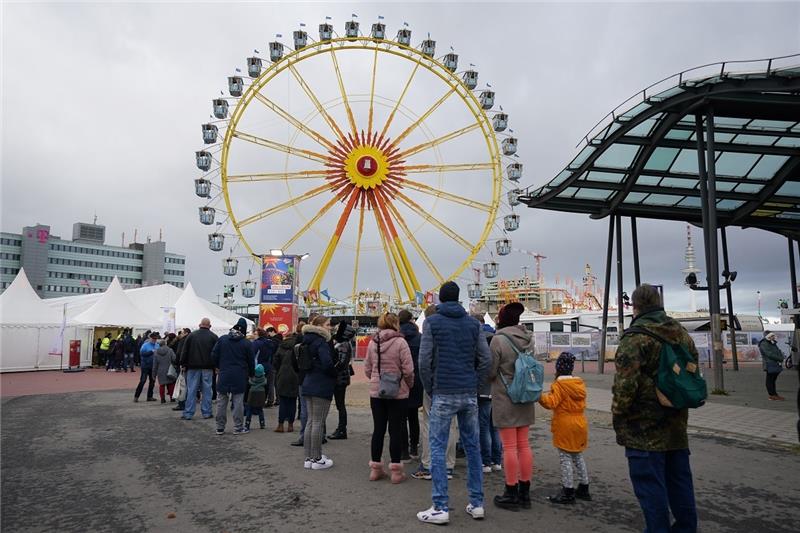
[[190, 309], [114, 308], [19, 304]]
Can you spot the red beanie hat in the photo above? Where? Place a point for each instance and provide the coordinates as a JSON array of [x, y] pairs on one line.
[[509, 315]]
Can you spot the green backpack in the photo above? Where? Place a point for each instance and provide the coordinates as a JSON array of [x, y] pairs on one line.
[[679, 383]]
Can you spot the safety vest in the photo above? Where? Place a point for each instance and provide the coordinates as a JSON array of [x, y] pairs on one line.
[[105, 344]]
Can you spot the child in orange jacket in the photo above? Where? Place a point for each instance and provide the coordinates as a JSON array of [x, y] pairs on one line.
[[567, 399]]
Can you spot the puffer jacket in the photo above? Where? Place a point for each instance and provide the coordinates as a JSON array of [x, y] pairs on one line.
[[286, 380], [505, 413], [146, 352], [164, 357], [567, 400], [233, 356], [395, 357], [321, 379], [453, 355], [771, 357], [342, 354]]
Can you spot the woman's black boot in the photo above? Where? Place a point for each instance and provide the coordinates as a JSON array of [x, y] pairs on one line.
[[565, 495], [509, 500], [583, 492], [525, 494]]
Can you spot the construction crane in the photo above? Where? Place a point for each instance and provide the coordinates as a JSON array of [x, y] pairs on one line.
[[538, 257]]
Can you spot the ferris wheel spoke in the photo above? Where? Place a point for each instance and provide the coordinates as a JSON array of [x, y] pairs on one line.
[[386, 254], [287, 204], [325, 262], [333, 201], [371, 99], [345, 101], [422, 169], [433, 220], [437, 141], [280, 176], [407, 274], [314, 100], [433, 191], [398, 102], [423, 117], [314, 135], [308, 154], [414, 242], [358, 246]]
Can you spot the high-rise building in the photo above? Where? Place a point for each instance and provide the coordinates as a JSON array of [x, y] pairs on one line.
[[59, 267]]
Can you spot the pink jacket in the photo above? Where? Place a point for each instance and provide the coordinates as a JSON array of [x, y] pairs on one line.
[[395, 357]]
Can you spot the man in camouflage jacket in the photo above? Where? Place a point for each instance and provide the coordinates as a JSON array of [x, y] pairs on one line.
[[654, 436]]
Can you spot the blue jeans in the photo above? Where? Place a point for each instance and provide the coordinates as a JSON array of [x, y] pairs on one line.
[[443, 408], [662, 481], [127, 362], [250, 411], [491, 445], [194, 376], [303, 413]]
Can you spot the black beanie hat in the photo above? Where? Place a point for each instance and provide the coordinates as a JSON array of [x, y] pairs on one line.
[[448, 292], [241, 325]]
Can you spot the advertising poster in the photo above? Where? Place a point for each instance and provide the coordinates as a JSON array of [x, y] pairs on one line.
[[362, 341], [168, 320], [282, 317], [279, 279]]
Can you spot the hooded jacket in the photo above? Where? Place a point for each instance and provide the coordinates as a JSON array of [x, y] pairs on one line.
[[164, 357], [771, 357], [640, 421], [265, 348], [233, 356], [411, 333], [286, 380], [343, 353], [320, 380], [395, 357], [505, 413], [195, 354], [567, 400], [453, 355]]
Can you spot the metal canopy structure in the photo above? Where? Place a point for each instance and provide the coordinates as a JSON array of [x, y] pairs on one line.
[[717, 146]]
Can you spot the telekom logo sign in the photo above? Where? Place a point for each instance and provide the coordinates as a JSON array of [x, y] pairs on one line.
[[42, 235]]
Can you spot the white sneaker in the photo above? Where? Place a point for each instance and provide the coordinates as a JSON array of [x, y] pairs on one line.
[[307, 463], [497, 467], [487, 469], [322, 463], [475, 512], [433, 516]]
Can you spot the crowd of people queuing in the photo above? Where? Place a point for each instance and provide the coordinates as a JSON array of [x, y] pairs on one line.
[[432, 388]]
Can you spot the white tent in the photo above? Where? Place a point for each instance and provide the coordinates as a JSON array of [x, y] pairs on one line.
[[30, 329], [488, 320], [190, 309], [114, 308]]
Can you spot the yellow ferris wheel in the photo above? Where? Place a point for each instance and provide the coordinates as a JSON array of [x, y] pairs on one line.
[[358, 149]]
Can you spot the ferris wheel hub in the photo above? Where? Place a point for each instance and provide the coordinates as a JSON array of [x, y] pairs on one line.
[[367, 166]]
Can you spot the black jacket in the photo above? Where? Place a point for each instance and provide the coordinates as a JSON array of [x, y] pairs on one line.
[[286, 380], [196, 349], [343, 354], [411, 333]]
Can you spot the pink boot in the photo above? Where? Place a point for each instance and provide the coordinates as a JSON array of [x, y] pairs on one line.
[[398, 476], [376, 471]]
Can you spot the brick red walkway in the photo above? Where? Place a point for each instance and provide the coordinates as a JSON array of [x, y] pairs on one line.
[[55, 381]]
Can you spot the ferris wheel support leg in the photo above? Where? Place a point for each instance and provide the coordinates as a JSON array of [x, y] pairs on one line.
[[415, 243], [358, 247], [385, 227], [398, 244], [324, 263], [389, 264]]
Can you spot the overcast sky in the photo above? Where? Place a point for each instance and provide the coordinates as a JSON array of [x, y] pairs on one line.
[[102, 105]]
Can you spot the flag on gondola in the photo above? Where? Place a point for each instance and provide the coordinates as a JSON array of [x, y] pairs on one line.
[[302, 24], [405, 24], [238, 70], [256, 51], [380, 17], [353, 15], [324, 292], [278, 36], [488, 84], [327, 18]]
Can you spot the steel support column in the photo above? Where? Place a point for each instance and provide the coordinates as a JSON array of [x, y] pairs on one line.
[[620, 306], [793, 277], [601, 359], [713, 254], [728, 293], [635, 239], [703, 186]]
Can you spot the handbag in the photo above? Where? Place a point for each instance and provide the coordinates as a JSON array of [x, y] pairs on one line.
[[389, 382], [172, 372], [180, 388]]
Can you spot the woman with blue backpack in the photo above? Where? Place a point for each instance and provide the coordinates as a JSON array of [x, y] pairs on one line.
[[512, 419]]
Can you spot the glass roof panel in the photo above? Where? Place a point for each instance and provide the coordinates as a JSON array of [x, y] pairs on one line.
[[723, 137], [662, 199], [725, 186], [679, 182], [728, 204], [635, 197], [686, 163], [767, 167], [762, 140], [593, 194], [663, 95], [748, 188], [581, 157], [681, 135], [617, 156], [635, 110], [643, 129], [690, 201], [735, 164], [558, 180], [568, 192], [610, 177], [644, 179], [730, 122], [760, 124], [790, 188], [788, 141], [661, 158]]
